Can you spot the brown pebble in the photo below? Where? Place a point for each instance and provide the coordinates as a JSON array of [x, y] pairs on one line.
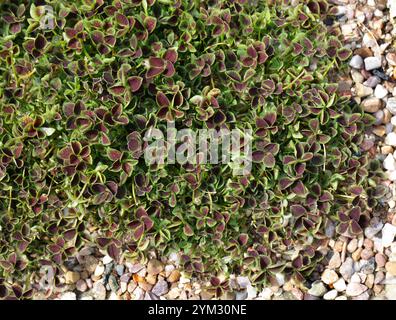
[[371, 104], [386, 149], [387, 116], [378, 288], [367, 243], [379, 131], [391, 58], [380, 259], [363, 52], [379, 276], [338, 246], [366, 254], [151, 279], [71, 277], [174, 276], [356, 254], [154, 267]]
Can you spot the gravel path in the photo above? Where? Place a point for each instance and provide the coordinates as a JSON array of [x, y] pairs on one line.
[[360, 269]]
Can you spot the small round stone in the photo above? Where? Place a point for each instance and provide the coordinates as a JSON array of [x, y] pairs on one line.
[[329, 276], [356, 62], [380, 91], [99, 270], [71, 277], [154, 267], [331, 295], [81, 285], [391, 105], [174, 276], [390, 267], [390, 139], [371, 104], [355, 289], [339, 285], [372, 63]]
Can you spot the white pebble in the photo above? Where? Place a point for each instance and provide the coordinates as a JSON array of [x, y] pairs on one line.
[[388, 235], [391, 105], [372, 63], [390, 163], [107, 259], [331, 295], [356, 62], [390, 139], [380, 91]]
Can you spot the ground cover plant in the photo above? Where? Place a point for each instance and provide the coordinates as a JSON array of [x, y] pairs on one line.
[[78, 93]]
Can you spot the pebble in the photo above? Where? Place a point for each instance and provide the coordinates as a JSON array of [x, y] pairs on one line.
[[68, 296], [99, 291], [371, 104], [372, 63], [81, 285], [174, 276], [135, 268], [241, 295], [120, 269], [356, 254], [388, 235], [355, 289], [357, 77], [391, 139], [329, 276], [160, 288], [373, 229], [386, 150], [113, 283], [363, 91], [367, 254], [107, 259], [356, 62], [99, 270], [352, 245], [391, 58], [380, 91], [391, 267], [90, 263], [335, 261], [339, 285], [369, 281], [154, 267], [71, 277], [355, 278], [390, 163], [318, 289], [331, 295], [390, 291], [372, 81], [346, 269], [391, 105]]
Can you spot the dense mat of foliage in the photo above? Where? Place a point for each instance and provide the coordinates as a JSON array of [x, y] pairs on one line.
[[76, 100]]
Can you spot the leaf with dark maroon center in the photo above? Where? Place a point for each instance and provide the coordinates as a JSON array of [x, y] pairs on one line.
[[113, 251], [150, 23], [171, 55], [135, 83], [162, 100], [121, 19], [117, 90], [114, 154]]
